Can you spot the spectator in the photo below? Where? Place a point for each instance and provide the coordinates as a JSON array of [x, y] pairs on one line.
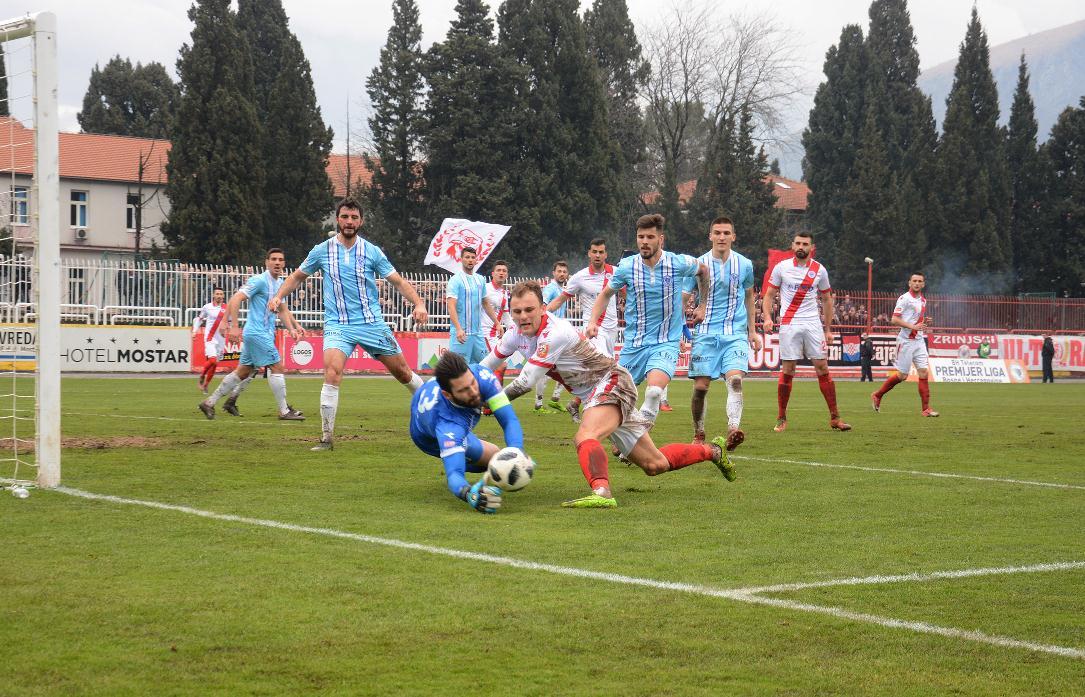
[[866, 359], [1047, 355]]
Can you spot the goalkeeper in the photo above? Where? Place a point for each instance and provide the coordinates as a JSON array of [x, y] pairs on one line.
[[444, 411]]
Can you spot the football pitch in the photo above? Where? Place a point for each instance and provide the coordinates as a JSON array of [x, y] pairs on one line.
[[908, 556]]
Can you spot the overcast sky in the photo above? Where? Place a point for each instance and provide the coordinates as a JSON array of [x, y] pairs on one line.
[[342, 38]]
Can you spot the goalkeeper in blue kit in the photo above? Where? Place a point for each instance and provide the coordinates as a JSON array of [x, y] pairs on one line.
[[445, 411]]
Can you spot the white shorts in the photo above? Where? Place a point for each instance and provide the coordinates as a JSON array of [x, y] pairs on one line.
[[215, 347], [617, 388], [604, 341], [798, 341], [911, 352]]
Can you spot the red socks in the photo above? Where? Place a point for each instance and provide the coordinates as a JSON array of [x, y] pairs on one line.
[[924, 393], [890, 383], [783, 393], [680, 455], [500, 373], [208, 371], [828, 391], [593, 463]]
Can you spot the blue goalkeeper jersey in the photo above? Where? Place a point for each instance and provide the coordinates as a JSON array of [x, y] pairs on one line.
[[442, 425], [725, 308], [553, 290], [350, 280], [653, 301], [259, 289]]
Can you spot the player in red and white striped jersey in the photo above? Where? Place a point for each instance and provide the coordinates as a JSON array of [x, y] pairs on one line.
[[911, 316], [211, 316], [803, 332], [498, 296]]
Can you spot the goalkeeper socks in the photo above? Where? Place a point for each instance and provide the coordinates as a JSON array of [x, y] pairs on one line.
[[593, 463], [699, 406], [680, 455], [412, 385], [277, 382], [925, 393], [890, 383], [329, 403], [783, 394], [828, 391], [225, 387], [652, 396], [734, 401]]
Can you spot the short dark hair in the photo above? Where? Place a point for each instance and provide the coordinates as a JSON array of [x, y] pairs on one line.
[[804, 233], [917, 273], [273, 250], [722, 220], [652, 220], [598, 242], [560, 262], [217, 288], [465, 250], [501, 262], [349, 202], [525, 287], [449, 367]]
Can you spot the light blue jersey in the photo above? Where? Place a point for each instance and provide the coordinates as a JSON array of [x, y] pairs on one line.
[[468, 290], [653, 302], [350, 280], [552, 290], [260, 322], [725, 308]]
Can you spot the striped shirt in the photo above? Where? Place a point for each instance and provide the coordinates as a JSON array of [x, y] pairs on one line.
[[725, 308], [259, 289], [350, 280], [797, 284], [468, 291], [653, 303]]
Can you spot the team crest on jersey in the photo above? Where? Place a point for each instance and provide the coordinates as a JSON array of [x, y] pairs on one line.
[[542, 351], [810, 274]]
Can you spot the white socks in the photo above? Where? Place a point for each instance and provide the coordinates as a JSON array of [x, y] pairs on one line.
[[241, 385], [225, 387], [665, 391], [557, 392], [734, 401], [329, 403], [415, 382], [540, 390], [277, 381], [652, 397]]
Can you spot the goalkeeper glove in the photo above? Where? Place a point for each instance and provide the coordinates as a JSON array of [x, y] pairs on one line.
[[483, 497]]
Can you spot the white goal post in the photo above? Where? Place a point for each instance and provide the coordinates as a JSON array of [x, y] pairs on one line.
[[32, 227]]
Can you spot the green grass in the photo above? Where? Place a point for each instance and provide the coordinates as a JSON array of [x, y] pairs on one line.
[[113, 599]]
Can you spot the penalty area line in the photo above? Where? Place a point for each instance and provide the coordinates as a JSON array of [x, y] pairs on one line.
[[740, 595], [921, 473]]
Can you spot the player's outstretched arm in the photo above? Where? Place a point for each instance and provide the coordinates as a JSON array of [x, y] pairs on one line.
[[289, 285], [407, 290], [555, 304], [597, 310], [525, 381], [233, 309]]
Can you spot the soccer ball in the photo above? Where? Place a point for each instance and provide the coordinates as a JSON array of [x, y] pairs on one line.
[[510, 469]]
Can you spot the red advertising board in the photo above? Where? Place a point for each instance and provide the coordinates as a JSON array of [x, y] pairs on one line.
[[307, 354]]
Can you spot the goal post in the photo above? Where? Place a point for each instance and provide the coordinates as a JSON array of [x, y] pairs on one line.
[[32, 216]]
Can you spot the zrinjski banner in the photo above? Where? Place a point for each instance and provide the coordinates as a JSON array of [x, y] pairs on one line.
[[455, 234]]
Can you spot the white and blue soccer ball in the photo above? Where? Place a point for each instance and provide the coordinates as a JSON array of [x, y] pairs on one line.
[[511, 469]]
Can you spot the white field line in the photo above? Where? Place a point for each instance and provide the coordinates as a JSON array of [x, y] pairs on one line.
[[890, 470], [740, 595]]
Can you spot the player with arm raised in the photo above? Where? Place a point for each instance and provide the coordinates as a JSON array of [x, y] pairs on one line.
[[722, 341], [211, 318], [609, 397], [352, 310], [802, 332], [551, 292], [654, 312], [258, 349], [445, 411], [910, 314]]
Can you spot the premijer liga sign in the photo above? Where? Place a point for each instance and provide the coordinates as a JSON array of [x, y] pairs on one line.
[[102, 349]]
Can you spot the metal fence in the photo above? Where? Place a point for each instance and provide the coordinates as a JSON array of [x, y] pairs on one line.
[[122, 291]]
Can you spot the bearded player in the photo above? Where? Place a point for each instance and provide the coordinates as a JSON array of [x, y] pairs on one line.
[[211, 317], [609, 398], [910, 314], [802, 332]]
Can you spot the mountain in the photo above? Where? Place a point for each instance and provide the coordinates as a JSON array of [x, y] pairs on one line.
[[1056, 61]]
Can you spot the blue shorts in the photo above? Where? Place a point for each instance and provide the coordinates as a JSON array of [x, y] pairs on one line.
[[473, 350], [375, 338], [640, 361], [258, 350], [429, 445], [718, 354]]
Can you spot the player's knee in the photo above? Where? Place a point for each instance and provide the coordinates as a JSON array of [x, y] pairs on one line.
[[735, 383], [655, 465]]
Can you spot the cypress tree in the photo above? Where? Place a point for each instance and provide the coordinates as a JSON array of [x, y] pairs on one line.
[[295, 141], [395, 214], [5, 108], [129, 101], [1023, 161], [1059, 258], [215, 185], [973, 181]]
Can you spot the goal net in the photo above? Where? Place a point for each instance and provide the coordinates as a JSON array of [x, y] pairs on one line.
[[29, 254]]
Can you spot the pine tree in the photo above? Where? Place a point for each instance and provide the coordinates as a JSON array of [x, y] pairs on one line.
[[973, 180], [1059, 257], [1023, 161], [774, 166], [215, 183], [5, 108], [129, 101], [395, 216], [295, 141]]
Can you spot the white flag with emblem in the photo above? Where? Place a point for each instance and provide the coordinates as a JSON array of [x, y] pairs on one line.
[[455, 234]]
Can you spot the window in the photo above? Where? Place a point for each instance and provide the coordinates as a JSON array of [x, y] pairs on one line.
[[130, 212], [20, 205], [79, 209]]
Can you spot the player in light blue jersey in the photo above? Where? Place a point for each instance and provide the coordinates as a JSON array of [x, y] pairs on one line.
[[353, 317], [445, 411], [723, 339], [552, 291], [466, 299], [654, 315], [258, 349]]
